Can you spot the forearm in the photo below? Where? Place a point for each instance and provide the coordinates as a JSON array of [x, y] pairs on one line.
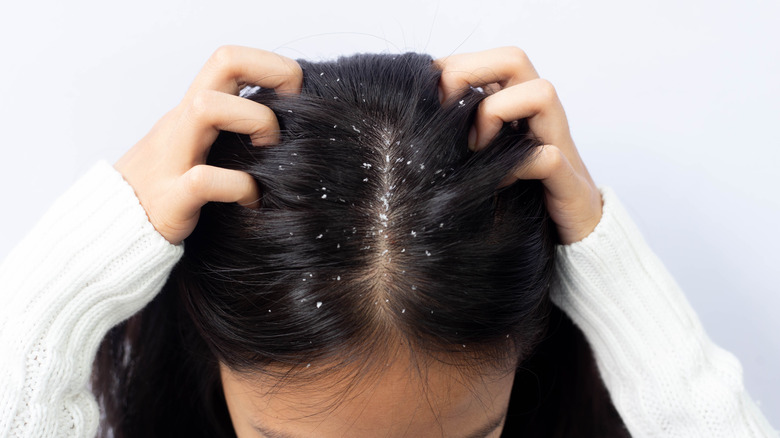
[[665, 376], [92, 261]]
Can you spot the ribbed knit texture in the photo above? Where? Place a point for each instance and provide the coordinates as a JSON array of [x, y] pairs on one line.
[[94, 259], [665, 376]]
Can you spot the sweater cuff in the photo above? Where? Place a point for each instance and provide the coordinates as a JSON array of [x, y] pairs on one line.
[[620, 294], [92, 261], [662, 371]]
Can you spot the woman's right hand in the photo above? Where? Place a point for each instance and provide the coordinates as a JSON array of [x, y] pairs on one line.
[[517, 92], [167, 169]]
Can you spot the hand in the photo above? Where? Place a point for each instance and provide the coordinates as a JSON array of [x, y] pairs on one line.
[[166, 168], [515, 92]]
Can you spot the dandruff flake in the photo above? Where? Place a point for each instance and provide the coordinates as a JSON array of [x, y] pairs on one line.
[[320, 236], [319, 304]]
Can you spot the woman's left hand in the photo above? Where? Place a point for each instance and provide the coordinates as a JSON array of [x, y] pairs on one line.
[[517, 92]]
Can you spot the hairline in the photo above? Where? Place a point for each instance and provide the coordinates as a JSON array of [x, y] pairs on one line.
[[489, 426]]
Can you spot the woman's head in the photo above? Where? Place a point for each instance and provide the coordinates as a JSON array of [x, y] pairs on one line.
[[384, 269], [381, 236]]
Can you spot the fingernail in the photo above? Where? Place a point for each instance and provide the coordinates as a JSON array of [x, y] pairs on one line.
[[472, 137]]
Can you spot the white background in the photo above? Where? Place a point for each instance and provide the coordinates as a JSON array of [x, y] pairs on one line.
[[676, 105]]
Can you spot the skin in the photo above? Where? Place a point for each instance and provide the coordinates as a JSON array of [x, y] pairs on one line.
[[396, 403], [167, 171]]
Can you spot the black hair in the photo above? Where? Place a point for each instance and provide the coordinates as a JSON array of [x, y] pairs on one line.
[[378, 227]]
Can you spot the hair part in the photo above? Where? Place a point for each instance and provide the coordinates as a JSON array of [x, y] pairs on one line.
[[378, 227]]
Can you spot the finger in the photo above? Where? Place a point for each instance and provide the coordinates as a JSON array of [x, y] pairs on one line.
[[232, 67], [204, 183], [211, 111], [550, 165], [535, 100], [505, 66]]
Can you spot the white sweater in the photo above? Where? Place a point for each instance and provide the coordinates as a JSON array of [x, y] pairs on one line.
[[94, 259]]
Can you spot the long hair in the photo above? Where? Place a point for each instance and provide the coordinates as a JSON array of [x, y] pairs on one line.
[[377, 224]]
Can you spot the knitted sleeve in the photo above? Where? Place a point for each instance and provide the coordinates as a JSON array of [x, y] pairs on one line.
[[665, 376], [92, 261]]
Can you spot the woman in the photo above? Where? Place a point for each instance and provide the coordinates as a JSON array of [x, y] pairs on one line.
[[379, 372]]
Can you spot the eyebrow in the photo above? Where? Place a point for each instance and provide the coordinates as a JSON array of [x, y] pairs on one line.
[[482, 432]]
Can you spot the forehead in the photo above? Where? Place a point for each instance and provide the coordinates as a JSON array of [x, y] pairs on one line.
[[399, 400]]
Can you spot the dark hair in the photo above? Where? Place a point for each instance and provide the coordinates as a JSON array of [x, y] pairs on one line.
[[378, 227]]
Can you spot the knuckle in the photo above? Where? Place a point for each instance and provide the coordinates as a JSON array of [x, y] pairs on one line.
[[554, 157], [517, 56], [296, 68], [295, 74], [223, 55], [200, 104], [196, 179], [547, 89]]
